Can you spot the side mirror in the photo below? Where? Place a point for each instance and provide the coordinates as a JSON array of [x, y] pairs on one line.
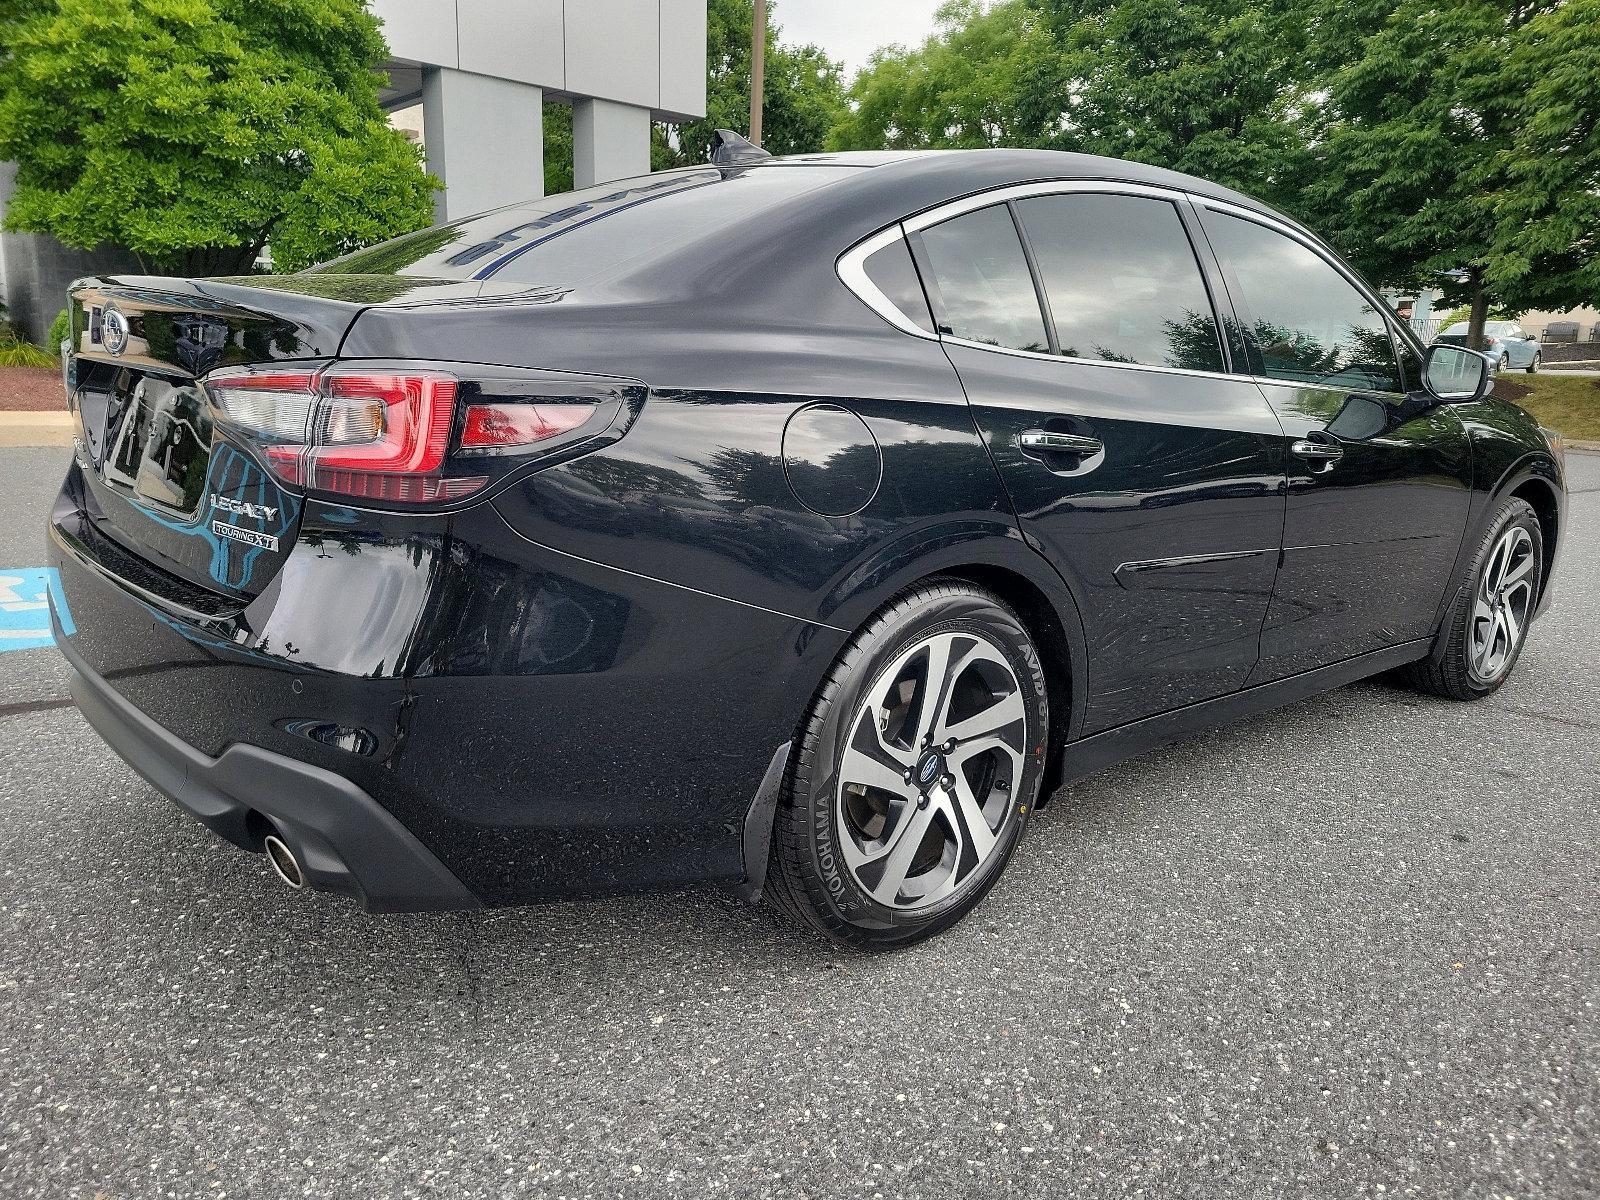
[[1452, 375]]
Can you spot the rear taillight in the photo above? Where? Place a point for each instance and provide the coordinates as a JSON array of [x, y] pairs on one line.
[[413, 435]]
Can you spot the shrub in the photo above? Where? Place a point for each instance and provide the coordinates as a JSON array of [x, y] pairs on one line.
[[60, 328], [14, 352]]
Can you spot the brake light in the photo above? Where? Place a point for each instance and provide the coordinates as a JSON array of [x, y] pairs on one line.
[[389, 432], [500, 426]]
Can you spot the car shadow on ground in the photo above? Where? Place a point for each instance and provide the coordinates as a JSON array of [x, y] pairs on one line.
[[167, 878]]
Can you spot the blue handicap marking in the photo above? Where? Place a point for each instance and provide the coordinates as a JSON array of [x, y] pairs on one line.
[[25, 596]]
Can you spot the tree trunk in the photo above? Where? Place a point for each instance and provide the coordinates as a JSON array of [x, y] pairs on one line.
[[1480, 310]]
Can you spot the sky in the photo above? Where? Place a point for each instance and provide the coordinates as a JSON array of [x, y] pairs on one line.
[[851, 30]]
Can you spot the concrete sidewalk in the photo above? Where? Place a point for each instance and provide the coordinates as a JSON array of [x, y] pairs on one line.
[[36, 429]]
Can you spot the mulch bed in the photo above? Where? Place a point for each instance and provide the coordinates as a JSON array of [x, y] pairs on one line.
[[31, 389]]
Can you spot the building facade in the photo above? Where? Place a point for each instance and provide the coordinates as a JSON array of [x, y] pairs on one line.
[[481, 71]]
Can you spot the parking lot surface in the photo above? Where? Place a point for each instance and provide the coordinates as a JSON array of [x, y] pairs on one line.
[[1351, 948]]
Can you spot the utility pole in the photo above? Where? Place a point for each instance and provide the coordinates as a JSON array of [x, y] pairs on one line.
[[758, 69]]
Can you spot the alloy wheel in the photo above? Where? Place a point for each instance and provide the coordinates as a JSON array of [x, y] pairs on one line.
[[1501, 605], [934, 756]]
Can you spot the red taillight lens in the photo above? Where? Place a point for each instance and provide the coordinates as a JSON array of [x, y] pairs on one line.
[[377, 435], [506, 426], [384, 431]]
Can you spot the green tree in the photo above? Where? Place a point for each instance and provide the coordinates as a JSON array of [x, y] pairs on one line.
[[194, 132], [984, 78], [1207, 87], [557, 147], [1204, 86], [1428, 130], [804, 91], [1545, 250]]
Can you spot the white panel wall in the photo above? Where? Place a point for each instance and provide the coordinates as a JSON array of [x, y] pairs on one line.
[[421, 30], [683, 58], [614, 50], [513, 39], [649, 53]]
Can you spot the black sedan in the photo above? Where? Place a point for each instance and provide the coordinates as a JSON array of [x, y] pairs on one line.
[[794, 524]]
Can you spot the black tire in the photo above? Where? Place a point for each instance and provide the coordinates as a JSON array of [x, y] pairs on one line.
[[1505, 364], [1452, 672], [1534, 362], [809, 876]]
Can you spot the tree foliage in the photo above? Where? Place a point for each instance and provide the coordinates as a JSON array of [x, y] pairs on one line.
[[984, 78], [1454, 145], [1206, 86], [1544, 251], [804, 93], [193, 131], [1411, 132]]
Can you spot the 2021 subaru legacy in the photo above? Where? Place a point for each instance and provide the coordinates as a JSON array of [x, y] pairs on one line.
[[794, 524]]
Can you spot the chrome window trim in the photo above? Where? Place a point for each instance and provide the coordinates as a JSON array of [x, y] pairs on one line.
[[1268, 381], [852, 271], [1086, 362], [1027, 191], [851, 265]]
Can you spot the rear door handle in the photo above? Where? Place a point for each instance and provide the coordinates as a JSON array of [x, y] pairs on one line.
[[1323, 453], [1039, 441]]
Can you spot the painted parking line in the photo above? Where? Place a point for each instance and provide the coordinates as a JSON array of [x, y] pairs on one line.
[[25, 596]]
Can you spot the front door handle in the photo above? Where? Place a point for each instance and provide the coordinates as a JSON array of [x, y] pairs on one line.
[[1040, 441], [1321, 455]]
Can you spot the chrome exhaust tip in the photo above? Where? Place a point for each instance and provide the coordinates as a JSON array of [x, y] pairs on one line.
[[283, 862]]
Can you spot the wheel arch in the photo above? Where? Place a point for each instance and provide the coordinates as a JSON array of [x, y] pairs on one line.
[[1000, 563], [1534, 478], [1541, 495]]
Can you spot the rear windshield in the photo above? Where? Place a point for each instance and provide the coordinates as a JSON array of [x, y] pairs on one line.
[[566, 239]]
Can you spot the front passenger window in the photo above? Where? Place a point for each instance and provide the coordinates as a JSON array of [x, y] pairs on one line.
[[1306, 322], [983, 283]]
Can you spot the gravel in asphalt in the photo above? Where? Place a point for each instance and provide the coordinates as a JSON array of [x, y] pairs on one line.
[[1351, 948]]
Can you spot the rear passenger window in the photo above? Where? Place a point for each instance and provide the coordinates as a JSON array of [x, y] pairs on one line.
[[985, 289], [1307, 322], [1122, 280], [894, 274]]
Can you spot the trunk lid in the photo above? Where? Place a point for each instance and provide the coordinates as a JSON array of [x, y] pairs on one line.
[[165, 481]]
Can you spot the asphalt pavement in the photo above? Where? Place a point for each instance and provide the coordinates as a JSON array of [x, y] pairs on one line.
[[1348, 949]]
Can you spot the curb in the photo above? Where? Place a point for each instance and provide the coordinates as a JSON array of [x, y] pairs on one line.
[[1586, 447], [35, 429]]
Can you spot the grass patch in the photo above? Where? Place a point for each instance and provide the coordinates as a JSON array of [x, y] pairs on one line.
[[14, 352], [1569, 404]]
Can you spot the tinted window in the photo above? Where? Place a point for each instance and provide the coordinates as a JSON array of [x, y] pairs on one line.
[[894, 274], [1306, 322], [562, 240], [1122, 280], [985, 289]]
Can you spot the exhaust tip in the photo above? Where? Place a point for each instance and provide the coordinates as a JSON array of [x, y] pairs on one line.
[[283, 862]]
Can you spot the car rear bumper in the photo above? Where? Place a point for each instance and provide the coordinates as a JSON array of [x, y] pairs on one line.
[[344, 839], [528, 725]]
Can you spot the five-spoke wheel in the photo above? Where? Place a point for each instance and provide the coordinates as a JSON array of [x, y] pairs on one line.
[[915, 771], [927, 776], [1502, 605], [1484, 629]]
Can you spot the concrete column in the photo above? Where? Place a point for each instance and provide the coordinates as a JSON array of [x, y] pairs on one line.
[[484, 138], [609, 141]]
